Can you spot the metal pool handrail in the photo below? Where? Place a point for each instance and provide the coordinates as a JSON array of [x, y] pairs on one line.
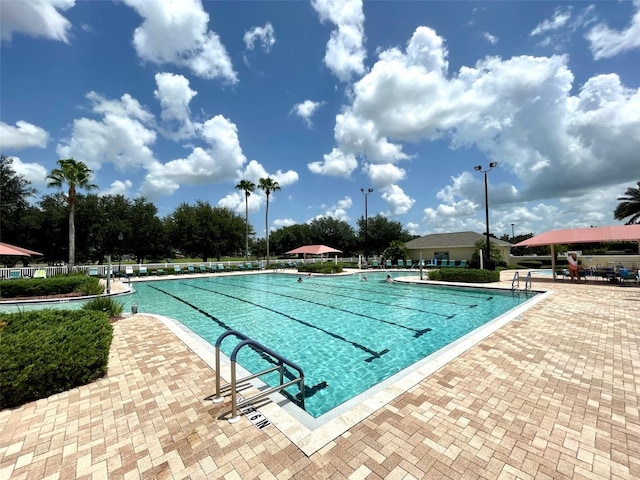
[[234, 381]]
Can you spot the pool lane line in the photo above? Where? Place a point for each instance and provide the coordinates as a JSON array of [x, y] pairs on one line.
[[448, 317], [431, 298], [309, 391], [371, 352], [417, 332]]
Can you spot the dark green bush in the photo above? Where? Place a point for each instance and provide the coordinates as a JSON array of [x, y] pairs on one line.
[[40, 287], [108, 305], [467, 275], [43, 352], [324, 267]]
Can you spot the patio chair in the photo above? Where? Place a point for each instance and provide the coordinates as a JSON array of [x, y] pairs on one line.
[[387, 264], [177, 270], [40, 273], [15, 275], [203, 269], [375, 264], [93, 272], [161, 271], [627, 276], [128, 270], [463, 264], [400, 263], [142, 272], [409, 264], [221, 268], [191, 269]]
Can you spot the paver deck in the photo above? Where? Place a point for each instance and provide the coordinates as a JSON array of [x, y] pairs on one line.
[[554, 394]]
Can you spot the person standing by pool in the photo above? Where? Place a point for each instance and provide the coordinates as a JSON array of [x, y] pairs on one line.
[[572, 258]]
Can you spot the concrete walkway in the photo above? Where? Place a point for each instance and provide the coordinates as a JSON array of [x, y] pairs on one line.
[[554, 394]]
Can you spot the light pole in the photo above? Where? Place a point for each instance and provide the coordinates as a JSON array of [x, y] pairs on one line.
[[120, 237], [366, 194], [486, 206], [512, 232]]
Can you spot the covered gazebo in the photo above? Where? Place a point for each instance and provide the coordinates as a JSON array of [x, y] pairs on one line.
[[616, 233]]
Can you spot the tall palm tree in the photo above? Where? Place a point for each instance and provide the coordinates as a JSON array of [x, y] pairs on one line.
[[77, 175], [248, 187], [629, 206], [268, 185]]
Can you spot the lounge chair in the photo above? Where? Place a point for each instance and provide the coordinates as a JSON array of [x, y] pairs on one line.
[[387, 264], [452, 263], [375, 264], [203, 269], [128, 271], [40, 273], [161, 271], [221, 267], [142, 272], [15, 274], [400, 263], [191, 269], [177, 270], [409, 264], [93, 272], [463, 264]]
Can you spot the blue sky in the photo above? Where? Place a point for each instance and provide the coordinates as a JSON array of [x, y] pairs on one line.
[[177, 101]]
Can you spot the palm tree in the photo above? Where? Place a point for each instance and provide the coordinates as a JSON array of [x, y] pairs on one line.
[[268, 185], [629, 206], [248, 187], [77, 175]]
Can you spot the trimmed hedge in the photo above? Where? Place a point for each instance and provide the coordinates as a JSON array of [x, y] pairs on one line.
[[43, 352], [467, 275], [40, 287], [325, 267]]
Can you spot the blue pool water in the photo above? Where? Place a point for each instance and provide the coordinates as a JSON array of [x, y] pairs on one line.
[[346, 334]]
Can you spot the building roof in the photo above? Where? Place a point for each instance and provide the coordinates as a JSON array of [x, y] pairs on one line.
[[451, 240]]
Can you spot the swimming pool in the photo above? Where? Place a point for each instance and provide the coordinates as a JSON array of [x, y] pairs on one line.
[[346, 334]]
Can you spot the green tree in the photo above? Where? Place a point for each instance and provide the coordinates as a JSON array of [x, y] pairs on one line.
[[381, 232], [268, 185], [248, 187], [76, 175], [629, 206], [332, 232], [482, 245], [396, 251], [53, 218], [15, 191], [287, 238], [147, 237], [205, 231]]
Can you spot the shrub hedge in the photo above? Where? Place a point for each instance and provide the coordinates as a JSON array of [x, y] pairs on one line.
[[467, 275], [43, 352], [324, 267], [40, 287]]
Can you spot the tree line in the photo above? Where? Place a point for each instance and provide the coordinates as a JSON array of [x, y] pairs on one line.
[[84, 228]]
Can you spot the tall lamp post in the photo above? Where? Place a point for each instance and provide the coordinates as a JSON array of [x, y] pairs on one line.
[[120, 237], [366, 194], [513, 235], [478, 168]]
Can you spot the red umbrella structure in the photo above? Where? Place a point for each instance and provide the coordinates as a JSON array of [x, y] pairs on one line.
[[314, 250], [7, 249]]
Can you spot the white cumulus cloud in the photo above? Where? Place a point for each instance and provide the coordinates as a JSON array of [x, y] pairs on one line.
[[174, 95], [37, 18], [606, 42], [345, 53], [176, 33], [305, 110], [23, 135], [265, 35]]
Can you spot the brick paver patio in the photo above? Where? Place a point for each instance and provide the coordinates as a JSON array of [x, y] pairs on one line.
[[553, 394]]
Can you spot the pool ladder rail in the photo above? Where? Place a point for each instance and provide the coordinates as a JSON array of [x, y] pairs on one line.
[[281, 362], [515, 283]]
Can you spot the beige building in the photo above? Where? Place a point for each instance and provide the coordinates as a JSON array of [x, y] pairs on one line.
[[452, 246]]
